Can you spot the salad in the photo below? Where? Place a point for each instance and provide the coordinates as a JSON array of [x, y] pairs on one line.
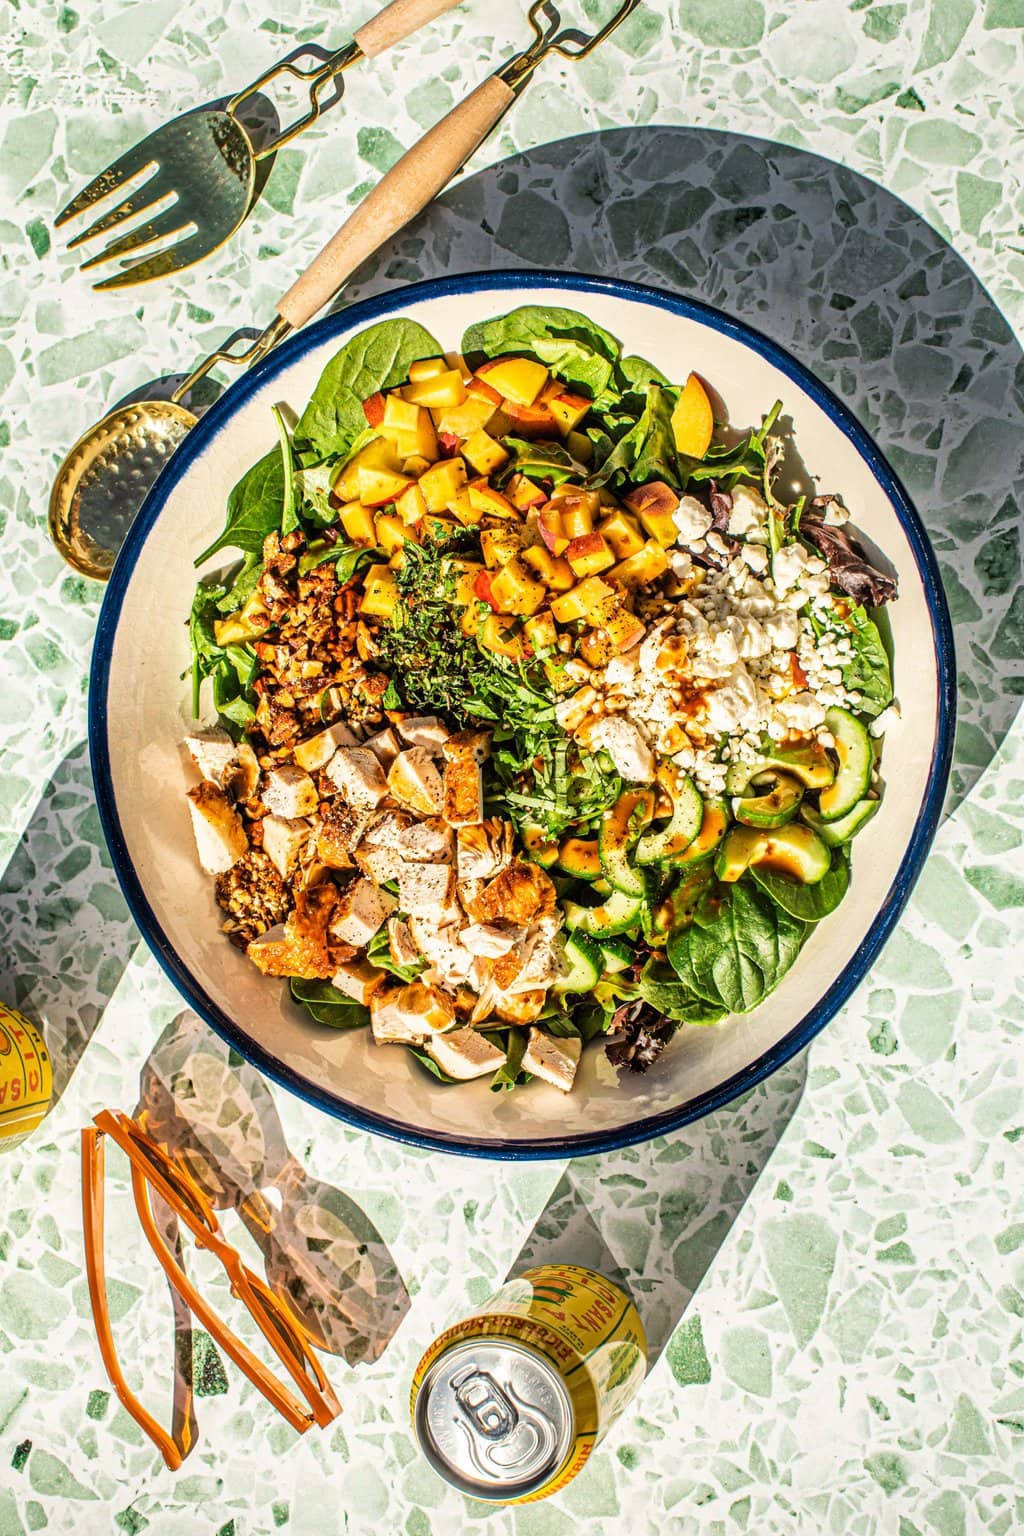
[[543, 717]]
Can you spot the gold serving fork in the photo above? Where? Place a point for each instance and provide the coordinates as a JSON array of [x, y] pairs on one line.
[[204, 171]]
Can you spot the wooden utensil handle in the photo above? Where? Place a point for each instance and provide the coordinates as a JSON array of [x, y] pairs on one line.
[[398, 20], [423, 172]]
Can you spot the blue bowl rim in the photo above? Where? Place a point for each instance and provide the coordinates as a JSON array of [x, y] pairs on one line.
[[582, 1144]]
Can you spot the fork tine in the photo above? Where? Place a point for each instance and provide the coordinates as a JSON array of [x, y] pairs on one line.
[[130, 164], [140, 202], [170, 222], [183, 254]]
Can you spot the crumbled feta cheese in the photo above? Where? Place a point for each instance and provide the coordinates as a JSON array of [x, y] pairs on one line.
[[692, 519], [626, 747], [680, 564], [835, 513], [749, 512], [733, 705], [754, 556], [885, 721], [788, 566], [801, 711]]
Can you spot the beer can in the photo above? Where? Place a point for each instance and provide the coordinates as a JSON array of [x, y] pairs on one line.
[[508, 1404], [26, 1078]]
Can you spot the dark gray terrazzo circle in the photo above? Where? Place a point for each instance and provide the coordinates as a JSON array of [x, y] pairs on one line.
[[834, 268]]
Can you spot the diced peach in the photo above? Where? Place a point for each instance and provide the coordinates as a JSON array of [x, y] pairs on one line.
[[357, 522], [441, 483], [693, 421], [474, 414], [624, 629], [439, 528], [552, 529], [373, 409], [479, 386], [513, 590], [519, 379], [541, 632], [589, 554], [465, 573], [584, 600], [523, 494], [421, 438], [487, 500], [527, 421], [646, 565], [562, 577], [500, 545], [497, 634], [540, 560], [411, 505], [415, 466], [439, 391], [456, 361], [380, 454], [427, 368], [654, 505], [568, 411], [622, 534], [483, 453], [461, 507], [380, 593], [379, 486], [399, 415], [392, 533], [580, 446], [596, 648], [469, 622], [577, 518]]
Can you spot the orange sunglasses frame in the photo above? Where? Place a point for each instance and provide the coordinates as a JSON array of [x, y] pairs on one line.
[[287, 1338]]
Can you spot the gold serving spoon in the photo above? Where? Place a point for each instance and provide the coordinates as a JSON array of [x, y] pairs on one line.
[[107, 475], [202, 170]]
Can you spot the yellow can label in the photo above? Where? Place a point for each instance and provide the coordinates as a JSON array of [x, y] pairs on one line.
[[585, 1326], [26, 1077]]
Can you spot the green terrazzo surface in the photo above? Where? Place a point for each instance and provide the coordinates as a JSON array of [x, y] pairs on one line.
[[852, 1357]]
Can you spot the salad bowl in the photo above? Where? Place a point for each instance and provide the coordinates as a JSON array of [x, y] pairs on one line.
[[140, 713]]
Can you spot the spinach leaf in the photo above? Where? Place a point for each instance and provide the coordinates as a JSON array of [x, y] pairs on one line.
[[377, 358], [510, 1074], [289, 507], [648, 450], [347, 557], [431, 1065], [314, 486], [378, 952], [868, 673], [746, 460], [255, 508], [738, 947], [662, 988], [573, 347], [809, 902], [541, 461], [633, 374], [328, 1005], [243, 585]]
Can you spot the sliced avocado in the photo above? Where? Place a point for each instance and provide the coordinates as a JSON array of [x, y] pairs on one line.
[[778, 801], [714, 820], [809, 763], [856, 759], [738, 851], [621, 825], [835, 833], [578, 856], [795, 850], [538, 846], [676, 910]]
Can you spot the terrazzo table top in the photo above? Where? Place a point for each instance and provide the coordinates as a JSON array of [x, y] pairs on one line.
[[832, 1269]]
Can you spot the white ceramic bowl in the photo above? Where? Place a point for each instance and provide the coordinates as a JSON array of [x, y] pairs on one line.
[[140, 712]]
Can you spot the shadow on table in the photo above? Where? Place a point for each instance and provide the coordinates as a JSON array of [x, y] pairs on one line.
[[653, 1217], [66, 934], [842, 274]]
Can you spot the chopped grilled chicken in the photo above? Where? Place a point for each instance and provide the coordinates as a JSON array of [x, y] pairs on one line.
[[389, 1021], [423, 731], [434, 1007], [214, 754], [465, 1054], [543, 958], [289, 792], [520, 894], [361, 910], [358, 979], [484, 850], [379, 853], [440, 947], [552, 1059], [300, 947], [317, 751], [359, 776], [220, 836], [284, 839], [414, 781], [340, 831], [491, 941], [427, 842], [520, 1007], [425, 889], [384, 746], [468, 746], [463, 804], [400, 945]]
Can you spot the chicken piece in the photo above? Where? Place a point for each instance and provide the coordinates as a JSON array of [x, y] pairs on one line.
[[423, 731], [361, 910], [463, 803], [490, 941], [299, 947], [379, 853], [414, 781], [554, 1060], [358, 979], [427, 842], [317, 751], [214, 754], [424, 890], [220, 836], [389, 1021], [520, 1007], [465, 1054], [434, 1007], [440, 947], [400, 943], [484, 850], [289, 793], [468, 746], [543, 957], [520, 894], [358, 775], [384, 746], [339, 834], [469, 893], [284, 839]]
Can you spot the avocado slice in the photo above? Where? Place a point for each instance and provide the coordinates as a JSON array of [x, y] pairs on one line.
[[578, 856], [795, 850], [777, 803]]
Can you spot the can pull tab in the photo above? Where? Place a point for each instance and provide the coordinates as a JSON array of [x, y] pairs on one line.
[[489, 1410]]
